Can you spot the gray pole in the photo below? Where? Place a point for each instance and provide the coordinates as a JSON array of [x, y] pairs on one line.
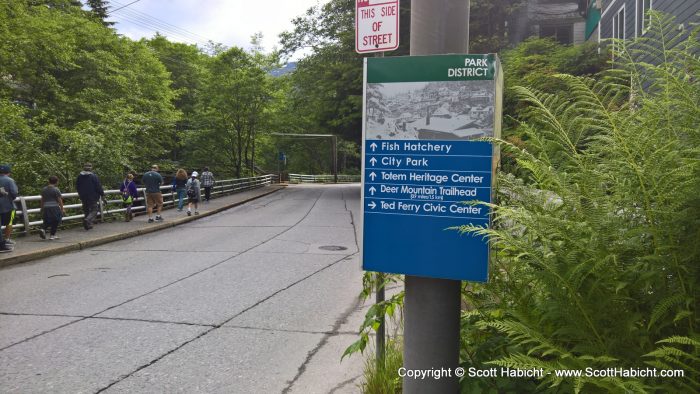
[[380, 296], [432, 306], [334, 150]]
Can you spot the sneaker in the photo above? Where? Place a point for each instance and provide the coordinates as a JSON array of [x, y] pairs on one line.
[[6, 250], [42, 233], [150, 220], [9, 242], [196, 212], [179, 209], [159, 218], [189, 213], [54, 237]]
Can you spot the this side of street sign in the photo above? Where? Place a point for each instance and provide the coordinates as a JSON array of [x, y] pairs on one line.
[[376, 25], [426, 167]]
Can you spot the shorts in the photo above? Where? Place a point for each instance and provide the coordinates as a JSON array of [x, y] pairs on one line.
[[155, 199], [193, 199], [7, 218]]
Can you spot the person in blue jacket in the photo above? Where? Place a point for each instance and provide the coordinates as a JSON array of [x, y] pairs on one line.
[[129, 195]]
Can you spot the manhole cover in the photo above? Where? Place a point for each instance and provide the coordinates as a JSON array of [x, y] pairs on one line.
[[332, 247]]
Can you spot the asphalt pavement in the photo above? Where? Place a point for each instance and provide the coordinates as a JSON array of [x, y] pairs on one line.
[[258, 298]]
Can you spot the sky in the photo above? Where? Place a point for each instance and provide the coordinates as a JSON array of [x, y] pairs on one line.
[[230, 22]]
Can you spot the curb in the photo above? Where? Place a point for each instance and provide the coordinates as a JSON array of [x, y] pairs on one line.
[[31, 256]]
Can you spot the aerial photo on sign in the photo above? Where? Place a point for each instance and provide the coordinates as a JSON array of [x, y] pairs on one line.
[[446, 110]]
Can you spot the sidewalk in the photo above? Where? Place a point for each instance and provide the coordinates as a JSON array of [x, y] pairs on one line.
[[31, 247]]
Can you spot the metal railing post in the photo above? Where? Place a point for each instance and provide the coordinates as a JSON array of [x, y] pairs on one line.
[[25, 214], [100, 206]]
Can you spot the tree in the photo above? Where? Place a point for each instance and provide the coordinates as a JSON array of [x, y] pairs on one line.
[[326, 92], [88, 95], [100, 9], [488, 24], [187, 66], [236, 95]]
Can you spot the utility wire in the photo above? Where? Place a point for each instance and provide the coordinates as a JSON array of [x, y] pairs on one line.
[[160, 30], [153, 22], [124, 6]]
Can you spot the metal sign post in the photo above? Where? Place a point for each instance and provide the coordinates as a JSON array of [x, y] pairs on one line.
[[422, 160]]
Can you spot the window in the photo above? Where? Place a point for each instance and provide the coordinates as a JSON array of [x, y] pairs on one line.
[[563, 34], [642, 20]]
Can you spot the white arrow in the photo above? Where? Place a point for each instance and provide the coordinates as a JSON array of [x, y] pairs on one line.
[[373, 161], [372, 175], [372, 190], [372, 205], [373, 146]]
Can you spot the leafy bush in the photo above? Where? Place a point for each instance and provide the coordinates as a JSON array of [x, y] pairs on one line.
[[596, 249], [595, 241]]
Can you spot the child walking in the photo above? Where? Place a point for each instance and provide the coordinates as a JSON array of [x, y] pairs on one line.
[[51, 208], [194, 193]]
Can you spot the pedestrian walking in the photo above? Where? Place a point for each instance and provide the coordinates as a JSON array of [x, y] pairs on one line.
[[90, 192], [180, 187], [154, 198], [129, 194], [8, 193], [194, 193], [52, 211], [207, 183]]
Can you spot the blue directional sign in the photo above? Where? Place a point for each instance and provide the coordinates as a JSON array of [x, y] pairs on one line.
[[426, 166]]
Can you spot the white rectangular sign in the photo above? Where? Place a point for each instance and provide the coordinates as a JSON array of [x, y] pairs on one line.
[[376, 25]]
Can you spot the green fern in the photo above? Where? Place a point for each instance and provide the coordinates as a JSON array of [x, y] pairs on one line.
[[595, 243]]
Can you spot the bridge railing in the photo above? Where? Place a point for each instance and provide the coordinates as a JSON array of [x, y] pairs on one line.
[[301, 178], [28, 216]]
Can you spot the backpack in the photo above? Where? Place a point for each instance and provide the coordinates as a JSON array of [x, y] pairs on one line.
[[126, 195], [191, 192]]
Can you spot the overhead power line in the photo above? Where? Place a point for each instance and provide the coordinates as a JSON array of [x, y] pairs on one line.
[[124, 6], [150, 22]]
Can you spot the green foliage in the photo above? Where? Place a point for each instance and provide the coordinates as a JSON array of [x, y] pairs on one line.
[[488, 24], [378, 312], [100, 10], [87, 95], [382, 378], [235, 96], [595, 259], [325, 94]]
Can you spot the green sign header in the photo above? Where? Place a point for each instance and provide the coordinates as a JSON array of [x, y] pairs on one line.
[[431, 68]]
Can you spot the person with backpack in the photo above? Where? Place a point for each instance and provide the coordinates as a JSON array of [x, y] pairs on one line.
[[8, 193], [90, 192], [194, 193], [180, 187], [129, 195], [207, 183], [52, 211]]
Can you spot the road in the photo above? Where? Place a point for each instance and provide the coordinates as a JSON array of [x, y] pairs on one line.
[[250, 300]]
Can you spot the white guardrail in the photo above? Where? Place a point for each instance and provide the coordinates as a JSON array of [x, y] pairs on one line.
[[299, 178], [28, 216]]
